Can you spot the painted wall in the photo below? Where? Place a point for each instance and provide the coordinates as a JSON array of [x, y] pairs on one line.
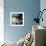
[[43, 6], [29, 7]]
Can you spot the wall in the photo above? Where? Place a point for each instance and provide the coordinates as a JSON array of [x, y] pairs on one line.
[[29, 7], [43, 6]]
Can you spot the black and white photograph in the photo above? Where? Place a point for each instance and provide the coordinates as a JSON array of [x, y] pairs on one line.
[[17, 18]]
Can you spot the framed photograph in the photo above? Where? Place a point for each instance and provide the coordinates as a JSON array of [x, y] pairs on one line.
[[16, 18]]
